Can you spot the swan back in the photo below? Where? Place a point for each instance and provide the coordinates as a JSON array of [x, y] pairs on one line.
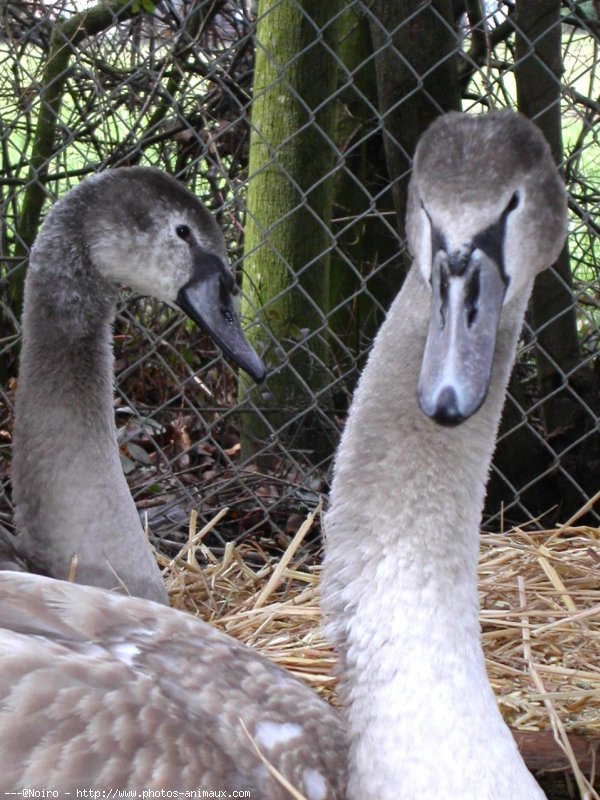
[[101, 691]]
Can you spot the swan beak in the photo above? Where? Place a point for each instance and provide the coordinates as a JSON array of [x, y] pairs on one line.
[[468, 289], [208, 300]]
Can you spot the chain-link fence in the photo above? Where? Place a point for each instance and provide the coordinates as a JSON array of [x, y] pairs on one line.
[[295, 122]]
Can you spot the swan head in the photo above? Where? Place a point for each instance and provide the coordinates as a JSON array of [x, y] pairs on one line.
[[144, 229], [486, 214]]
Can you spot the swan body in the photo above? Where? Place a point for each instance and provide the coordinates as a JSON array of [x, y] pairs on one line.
[[487, 212], [136, 226], [100, 691]]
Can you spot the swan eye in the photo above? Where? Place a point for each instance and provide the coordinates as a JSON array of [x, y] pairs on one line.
[[513, 203], [184, 233]]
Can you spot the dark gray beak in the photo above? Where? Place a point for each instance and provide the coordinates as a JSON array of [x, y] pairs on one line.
[[468, 291], [208, 300]]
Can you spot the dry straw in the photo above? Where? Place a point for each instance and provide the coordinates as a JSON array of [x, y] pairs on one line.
[[540, 617]]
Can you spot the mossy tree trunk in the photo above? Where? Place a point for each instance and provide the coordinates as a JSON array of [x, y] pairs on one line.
[[288, 237]]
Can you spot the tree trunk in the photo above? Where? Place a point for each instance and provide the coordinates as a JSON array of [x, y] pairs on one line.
[[364, 265], [565, 386], [416, 49], [408, 41], [538, 70], [288, 237]]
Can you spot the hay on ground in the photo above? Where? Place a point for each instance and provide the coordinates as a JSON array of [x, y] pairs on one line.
[[540, 616]]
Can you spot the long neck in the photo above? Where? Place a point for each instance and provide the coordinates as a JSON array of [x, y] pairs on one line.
[[70, 493], [400, 579]]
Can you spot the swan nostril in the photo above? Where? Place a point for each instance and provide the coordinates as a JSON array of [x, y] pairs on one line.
[[444, 288], [472, 298], [513, 203], [225, 299], [227, 314]]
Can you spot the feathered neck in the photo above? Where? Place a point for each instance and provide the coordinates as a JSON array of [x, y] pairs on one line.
[[69, 490], [400, 579]]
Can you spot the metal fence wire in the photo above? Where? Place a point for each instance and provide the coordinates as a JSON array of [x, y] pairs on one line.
[[295, 122]]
